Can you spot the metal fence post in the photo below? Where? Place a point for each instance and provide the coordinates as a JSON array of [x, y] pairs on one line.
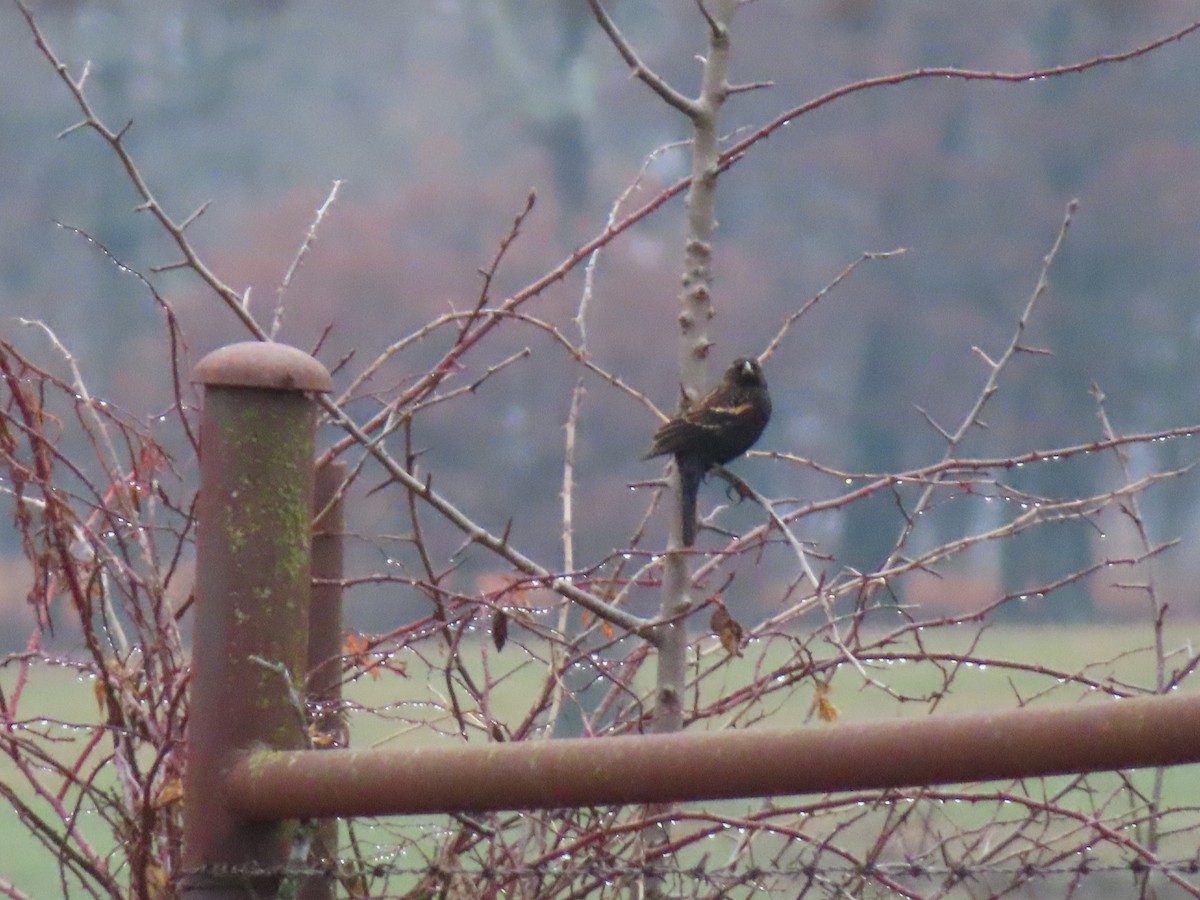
[[325, 655], [253, 580]]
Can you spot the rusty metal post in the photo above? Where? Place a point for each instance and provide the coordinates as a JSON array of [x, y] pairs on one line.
[[325, 656], [253, 579]]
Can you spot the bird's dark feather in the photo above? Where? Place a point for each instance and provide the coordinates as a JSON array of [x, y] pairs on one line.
[[722, 426]]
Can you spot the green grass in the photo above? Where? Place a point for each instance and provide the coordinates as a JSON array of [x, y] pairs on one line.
[[1104, 654], [55, 694]]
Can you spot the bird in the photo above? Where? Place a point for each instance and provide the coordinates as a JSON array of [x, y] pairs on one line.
[[722, 426]]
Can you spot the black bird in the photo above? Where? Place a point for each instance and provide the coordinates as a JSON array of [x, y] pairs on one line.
[[722, 426]]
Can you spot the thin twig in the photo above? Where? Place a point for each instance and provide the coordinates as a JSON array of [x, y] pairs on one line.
[[305, 246]]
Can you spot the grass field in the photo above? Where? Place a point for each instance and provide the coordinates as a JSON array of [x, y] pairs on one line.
[[1103, 652]]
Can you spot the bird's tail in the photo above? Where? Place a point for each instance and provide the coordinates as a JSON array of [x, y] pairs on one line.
[[691, 472]]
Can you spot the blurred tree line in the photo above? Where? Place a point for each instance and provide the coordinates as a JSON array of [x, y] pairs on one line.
[[440, 117]]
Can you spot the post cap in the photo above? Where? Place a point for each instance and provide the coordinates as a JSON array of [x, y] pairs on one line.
[[262, 364]]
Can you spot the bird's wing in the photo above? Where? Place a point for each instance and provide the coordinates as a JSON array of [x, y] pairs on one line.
[[694, 425]]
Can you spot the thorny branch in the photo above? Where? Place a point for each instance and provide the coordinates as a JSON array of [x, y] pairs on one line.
[[470, 336]]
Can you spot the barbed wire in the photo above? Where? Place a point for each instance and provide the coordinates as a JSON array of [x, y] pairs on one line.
[[913, 870]]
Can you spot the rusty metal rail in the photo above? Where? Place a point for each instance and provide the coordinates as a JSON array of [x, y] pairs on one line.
[[1153, 731]]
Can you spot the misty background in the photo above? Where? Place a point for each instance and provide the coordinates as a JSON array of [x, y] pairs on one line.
[[440, 117]]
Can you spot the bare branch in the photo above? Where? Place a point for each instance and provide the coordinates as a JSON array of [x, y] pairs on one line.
[[305, 245], [639, 69], [1031, 76], [820, 295]]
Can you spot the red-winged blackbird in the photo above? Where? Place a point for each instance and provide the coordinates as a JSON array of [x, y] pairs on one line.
[[723, 425]]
